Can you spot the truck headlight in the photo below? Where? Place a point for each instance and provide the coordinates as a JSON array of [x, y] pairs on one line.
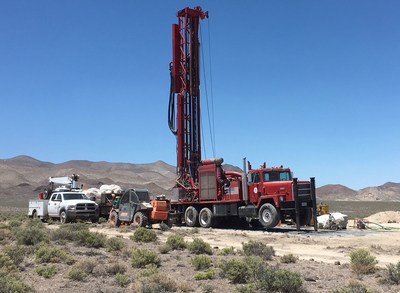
[[71, 208]]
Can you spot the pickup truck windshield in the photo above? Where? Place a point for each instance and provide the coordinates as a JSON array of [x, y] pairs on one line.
[[71, 196]]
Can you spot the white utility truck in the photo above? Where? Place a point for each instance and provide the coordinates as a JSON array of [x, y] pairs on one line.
[[66, 202]]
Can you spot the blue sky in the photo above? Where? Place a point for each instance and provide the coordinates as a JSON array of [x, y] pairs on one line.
[[313, 85]]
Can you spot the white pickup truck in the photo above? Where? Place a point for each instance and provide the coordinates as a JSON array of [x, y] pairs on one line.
[[66, 206]]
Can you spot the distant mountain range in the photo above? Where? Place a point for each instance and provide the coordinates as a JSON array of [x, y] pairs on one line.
[[22, 177]]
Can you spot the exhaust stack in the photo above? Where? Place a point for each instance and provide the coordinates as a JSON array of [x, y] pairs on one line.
[[244, 182]]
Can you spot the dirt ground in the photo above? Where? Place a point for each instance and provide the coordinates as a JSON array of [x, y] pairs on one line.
[[323, 256]]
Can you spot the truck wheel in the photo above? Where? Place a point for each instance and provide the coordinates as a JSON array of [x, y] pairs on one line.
[[140, 220], [63, 217], [205, 218], [191, 217], [268, 215], [113, 219]]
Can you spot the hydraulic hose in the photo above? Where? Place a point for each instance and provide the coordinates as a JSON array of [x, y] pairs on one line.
[[171, 108]]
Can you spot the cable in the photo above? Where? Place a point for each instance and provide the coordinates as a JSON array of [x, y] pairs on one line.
[[211, 84], [206, 92]]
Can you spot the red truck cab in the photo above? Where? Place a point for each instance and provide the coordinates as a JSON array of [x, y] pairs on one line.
[[270, 183]]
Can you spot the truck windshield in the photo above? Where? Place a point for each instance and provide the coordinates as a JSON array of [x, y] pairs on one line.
[[71, 196], [143, 196], [276, 176]]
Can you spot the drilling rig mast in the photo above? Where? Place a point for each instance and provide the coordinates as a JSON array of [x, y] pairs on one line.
[[185, 96]]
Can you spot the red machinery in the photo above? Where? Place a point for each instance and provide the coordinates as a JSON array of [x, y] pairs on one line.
[[204, 191]]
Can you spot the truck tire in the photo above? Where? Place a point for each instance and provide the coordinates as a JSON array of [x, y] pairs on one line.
[[191, 217], [63, 217], [206, 218], [113, 219], [268, 215], [168, 221], [139, 220]]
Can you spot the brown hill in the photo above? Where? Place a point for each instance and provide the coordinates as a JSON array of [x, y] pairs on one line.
[[387, 192], [23, 177], [335, 192]]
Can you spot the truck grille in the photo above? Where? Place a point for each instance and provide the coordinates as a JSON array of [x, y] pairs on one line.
[[85, 207]]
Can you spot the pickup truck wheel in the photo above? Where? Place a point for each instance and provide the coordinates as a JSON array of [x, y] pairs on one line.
[[140, 220], [205, 218], [268, 215], [191, 217], [113, 219], [63, 217]]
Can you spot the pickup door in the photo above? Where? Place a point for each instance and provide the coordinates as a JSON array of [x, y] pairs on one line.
[[54, 205], [128, 205]]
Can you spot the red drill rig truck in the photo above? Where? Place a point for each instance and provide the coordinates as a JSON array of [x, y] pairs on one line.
[[204, 191]]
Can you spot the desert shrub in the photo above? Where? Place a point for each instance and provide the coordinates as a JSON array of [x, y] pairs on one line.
[[286, 281], [289, 258], [201, 262], [115, 268], [115, 244], [15, 223], [148, 271], [164, 249], [91, 239], [199, 246], [46, 271], [236, 271], [206, 275], [5, 234], [77, 274], [15, 252], [257, 248], [142, 234], [362, 262], [86, 265], [143, 257], [227, 251], [391, 273], [155, 284], [9, 282], [122, 279], [176, 242], [6, 263], [246, 288], [354, 286], [269, 279], [30, 235], [68, 232], [50, 254], [81, 270]]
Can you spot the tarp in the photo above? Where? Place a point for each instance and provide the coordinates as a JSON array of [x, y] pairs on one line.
[[338, 219]]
